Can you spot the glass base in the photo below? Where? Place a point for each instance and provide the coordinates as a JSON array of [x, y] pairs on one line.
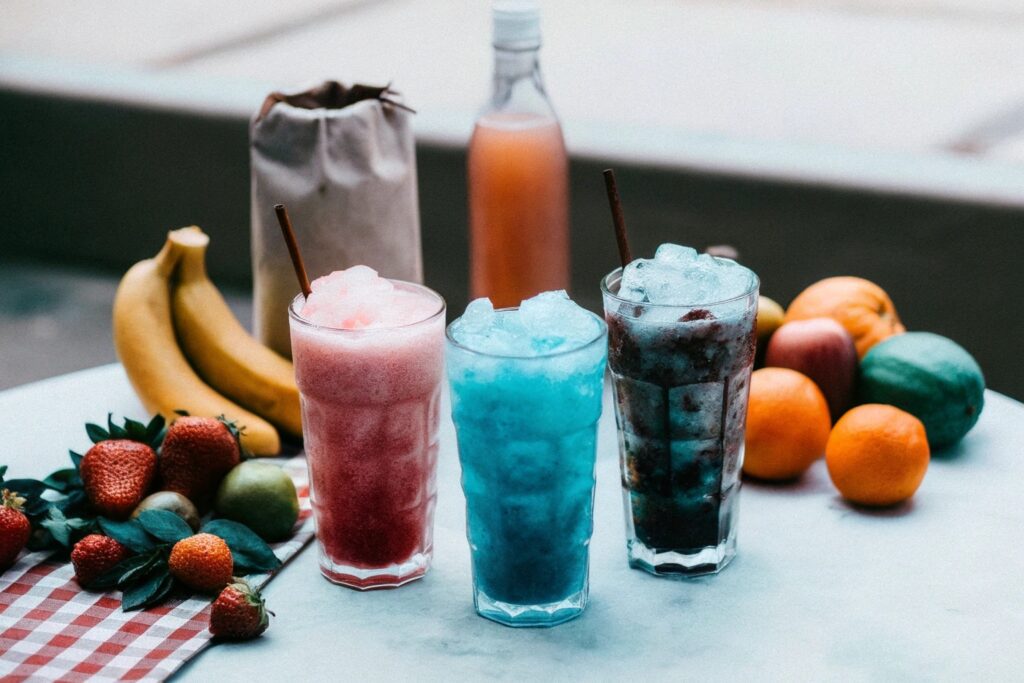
[[681, 564], [363, 579], [520, 616]]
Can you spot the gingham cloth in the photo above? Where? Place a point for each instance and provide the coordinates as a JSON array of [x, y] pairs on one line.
[[52, 630]]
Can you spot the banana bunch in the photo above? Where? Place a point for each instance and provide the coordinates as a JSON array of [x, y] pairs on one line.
[[183, 349]]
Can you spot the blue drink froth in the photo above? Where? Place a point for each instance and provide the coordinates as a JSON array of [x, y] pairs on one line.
[[526, 397]]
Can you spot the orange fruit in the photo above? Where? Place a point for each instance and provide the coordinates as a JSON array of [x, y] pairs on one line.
[[861, 306], [877, 455], [787, 424], [202, 562]]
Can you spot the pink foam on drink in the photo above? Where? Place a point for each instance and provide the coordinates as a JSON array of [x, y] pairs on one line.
[[358, 298], [369, 369]]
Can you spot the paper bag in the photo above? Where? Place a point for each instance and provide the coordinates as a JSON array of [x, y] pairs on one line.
[[343, 161]]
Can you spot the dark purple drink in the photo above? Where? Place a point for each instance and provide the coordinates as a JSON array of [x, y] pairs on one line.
[[681, 347]]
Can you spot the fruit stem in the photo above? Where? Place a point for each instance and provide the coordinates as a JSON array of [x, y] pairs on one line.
[[179, 242], [193, 255], [11, 499]]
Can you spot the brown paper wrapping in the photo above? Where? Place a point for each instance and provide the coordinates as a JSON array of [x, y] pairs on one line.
[[343, 161]]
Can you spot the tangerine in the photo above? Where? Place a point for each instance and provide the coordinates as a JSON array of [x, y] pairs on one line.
[[877, 455], [859, 305], [788, 424]]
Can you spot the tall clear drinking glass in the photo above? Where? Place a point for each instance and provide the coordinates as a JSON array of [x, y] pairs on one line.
[[370, 414], [527, 436], [681, 376]]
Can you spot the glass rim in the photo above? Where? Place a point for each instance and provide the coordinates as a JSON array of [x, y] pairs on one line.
[[606, 290], [602, 332], [294, 314]]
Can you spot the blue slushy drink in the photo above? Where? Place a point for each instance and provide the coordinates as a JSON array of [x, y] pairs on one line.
[[526, 397]]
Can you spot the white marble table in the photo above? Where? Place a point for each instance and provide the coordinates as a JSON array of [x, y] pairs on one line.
[[819, 591]]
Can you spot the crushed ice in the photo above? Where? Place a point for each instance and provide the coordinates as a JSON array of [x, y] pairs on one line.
[[549, 322], [680, 276]]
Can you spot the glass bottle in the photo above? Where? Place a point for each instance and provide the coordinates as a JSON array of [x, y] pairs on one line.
[[518, 172]]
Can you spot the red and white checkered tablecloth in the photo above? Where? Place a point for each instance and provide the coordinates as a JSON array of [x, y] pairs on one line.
[[51, 629]]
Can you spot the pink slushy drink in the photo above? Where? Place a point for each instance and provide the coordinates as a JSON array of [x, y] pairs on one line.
[[369, 360]]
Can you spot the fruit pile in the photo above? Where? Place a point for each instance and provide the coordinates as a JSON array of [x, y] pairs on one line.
[[184, 350], [130, 515], [842, 377]]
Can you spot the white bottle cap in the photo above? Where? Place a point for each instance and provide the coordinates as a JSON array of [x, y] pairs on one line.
[[516, 24]]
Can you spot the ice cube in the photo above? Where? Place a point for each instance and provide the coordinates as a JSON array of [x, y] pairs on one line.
[[705, 262], [544, 323], [356, 276], [403, 307], [679, 276], [479, 315], [631, 286], [734, 281], [357, 298], [665, 283], [674, 253], [552, 320], [660, 315], [331, 284]]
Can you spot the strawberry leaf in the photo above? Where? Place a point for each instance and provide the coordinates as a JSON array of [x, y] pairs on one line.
[[64, 530], [3, 471], [250, 553], [114, 576], [155, 430], [76, 459], [63, 480], [135, 429], [73, 504], [35, 506], [116, 431], [60, 513], [165, 589], [154, 561], [236, 432], [130, 534], [96, 433], [56, 524], [147, 592], [165, 525], [151, 433], [28, 488], [80, 524]]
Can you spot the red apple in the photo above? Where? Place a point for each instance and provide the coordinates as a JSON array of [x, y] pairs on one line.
[[824, 351]]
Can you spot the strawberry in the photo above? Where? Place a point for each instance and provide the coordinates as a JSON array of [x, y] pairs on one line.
[[202, 562], [14, 528], [239, 612], [116, 474], [94, 556], [196, 455]]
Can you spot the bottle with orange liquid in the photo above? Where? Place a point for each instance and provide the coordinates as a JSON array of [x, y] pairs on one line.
[[518, 173]]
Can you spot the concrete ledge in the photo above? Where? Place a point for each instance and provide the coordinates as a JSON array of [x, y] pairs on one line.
[[919, 173], [98, 182]]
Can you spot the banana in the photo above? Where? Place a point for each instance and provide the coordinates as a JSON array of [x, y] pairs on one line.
[[159, 373], [226, 356]]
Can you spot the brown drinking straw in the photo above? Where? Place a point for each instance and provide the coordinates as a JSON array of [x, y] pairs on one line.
[[293, 248], [617, 218]]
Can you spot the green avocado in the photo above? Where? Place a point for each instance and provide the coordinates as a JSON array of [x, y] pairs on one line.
[[930, 377]]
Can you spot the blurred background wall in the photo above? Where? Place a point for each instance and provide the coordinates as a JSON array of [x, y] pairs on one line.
[[870, 137]]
